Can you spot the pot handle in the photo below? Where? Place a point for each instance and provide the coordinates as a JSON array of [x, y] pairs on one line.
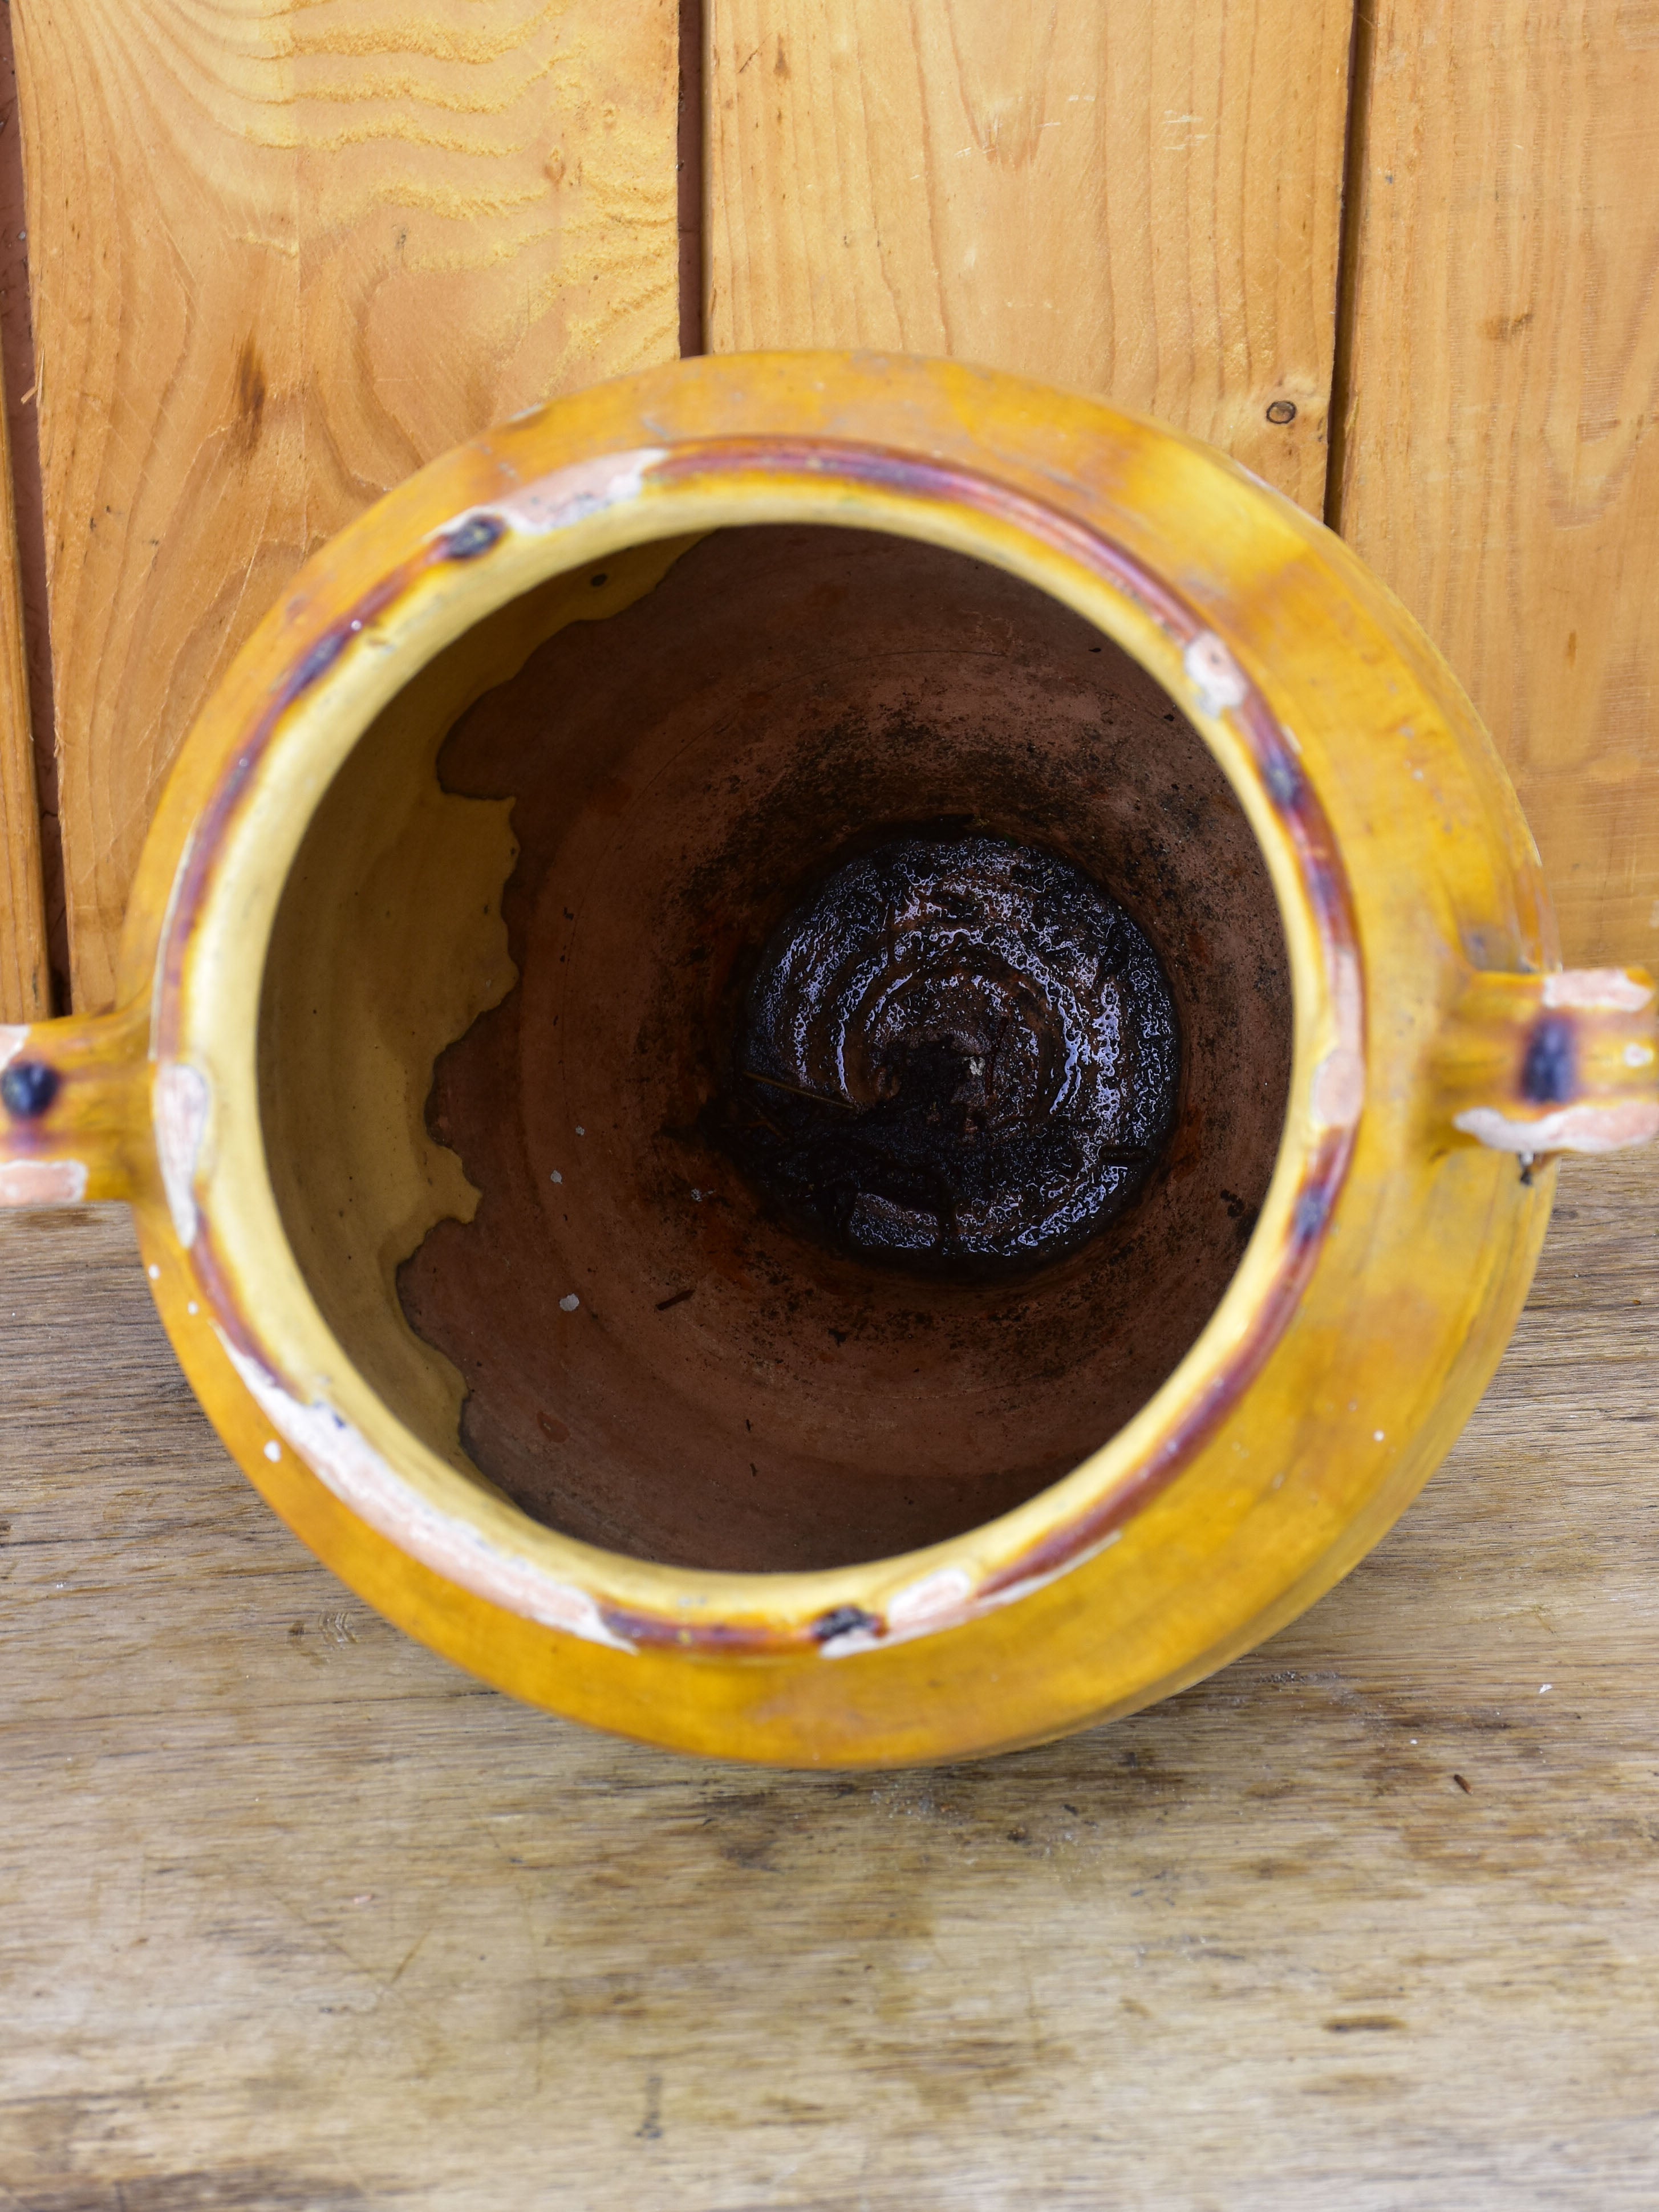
[[1567, 1062], [74, 1108]]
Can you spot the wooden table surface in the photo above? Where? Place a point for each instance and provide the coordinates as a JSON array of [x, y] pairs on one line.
[[294, 1917]]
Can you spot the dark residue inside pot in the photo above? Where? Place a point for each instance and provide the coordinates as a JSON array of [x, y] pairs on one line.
[[897, 1060], [957, 1055]]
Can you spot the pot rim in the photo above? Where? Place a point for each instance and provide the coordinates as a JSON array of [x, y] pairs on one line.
[[519, 507]]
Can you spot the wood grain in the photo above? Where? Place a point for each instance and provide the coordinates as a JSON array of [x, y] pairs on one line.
[[282, 254], [293, 1918], [25, 967], [1140, 201], [1501, 445]]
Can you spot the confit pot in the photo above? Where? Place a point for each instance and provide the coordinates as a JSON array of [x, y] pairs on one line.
[[461, 1169]]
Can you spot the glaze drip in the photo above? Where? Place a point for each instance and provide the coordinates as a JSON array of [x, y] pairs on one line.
[[957, 1056]]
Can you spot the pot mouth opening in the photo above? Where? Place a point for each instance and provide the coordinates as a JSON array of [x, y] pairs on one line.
[[649, 985]]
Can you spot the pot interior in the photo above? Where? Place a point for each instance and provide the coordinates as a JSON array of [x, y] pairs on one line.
[[773, 1047]]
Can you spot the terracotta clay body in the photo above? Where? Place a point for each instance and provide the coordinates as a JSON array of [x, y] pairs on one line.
[[729, 1393]]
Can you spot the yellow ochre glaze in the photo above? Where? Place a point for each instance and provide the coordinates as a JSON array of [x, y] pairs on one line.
[[1314, 1403]]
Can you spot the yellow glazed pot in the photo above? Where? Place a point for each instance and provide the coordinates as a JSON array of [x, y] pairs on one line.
[[488, 791]]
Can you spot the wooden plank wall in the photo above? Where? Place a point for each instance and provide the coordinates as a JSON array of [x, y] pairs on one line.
[[1143, 201], [281, 255], [1500, 455]]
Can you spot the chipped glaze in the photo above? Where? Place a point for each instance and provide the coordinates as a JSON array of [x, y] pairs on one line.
[[1569, 1129], [181, 1116], [1215, 676], [1339, 1087], [43, 1182], [575, 494], [1599, 990], [343, 1459], [1232, 1500]]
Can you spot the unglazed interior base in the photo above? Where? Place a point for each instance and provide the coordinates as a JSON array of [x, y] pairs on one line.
[[552, 868]]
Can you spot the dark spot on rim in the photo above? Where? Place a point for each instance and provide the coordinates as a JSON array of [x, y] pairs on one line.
[[473, 537], [1312, 1209], [320, 658], [841, 1621], [1548, 1075], [28, 1087], [1283, 779], [604, 577]]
